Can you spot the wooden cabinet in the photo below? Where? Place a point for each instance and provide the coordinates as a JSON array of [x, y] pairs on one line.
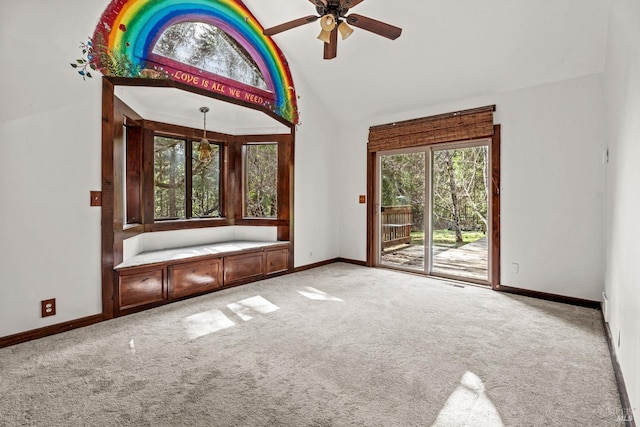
[[141, 287], [277, 260], [195, 277], [244, 267], [148, 285]]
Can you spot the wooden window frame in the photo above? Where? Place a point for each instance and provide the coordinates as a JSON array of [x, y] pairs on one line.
[[149, 190], [188, 177], [245, 181], [231, 177]]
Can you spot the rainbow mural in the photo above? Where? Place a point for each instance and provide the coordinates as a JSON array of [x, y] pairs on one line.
[[122, 45]]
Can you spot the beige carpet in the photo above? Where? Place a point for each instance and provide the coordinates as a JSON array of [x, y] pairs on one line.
[[339, 345]]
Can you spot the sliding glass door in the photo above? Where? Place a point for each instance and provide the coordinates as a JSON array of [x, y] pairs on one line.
[[435, 211], [402, 210], [460, 212]]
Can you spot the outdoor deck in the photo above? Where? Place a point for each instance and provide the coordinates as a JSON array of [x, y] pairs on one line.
[[468, 261]]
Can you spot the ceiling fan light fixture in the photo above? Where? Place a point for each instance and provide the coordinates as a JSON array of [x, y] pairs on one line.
[[345, 30], [335, 17], [328, 23]]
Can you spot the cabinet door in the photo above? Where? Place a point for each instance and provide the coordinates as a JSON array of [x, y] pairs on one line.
[[195, 277], [140, 288], [277, 260], [243, 267]]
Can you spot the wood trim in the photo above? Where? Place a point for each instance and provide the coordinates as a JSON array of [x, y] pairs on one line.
[[329, 262], [107, 235], [627, 410], [186, 224], [282, 186], [188, 178], [46, 331], [352, 261], [129, 81], [411, 122], [372, 203], [315, 265], [286, 233], [183, 132], [148, 209], [450, 127], [235, 184], [495, 207], [134, 174], [549, 297]]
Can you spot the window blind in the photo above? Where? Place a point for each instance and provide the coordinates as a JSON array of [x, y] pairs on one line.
[[456, 126]]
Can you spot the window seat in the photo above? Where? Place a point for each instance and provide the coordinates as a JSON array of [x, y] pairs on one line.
[[189, 252], [158, 277]]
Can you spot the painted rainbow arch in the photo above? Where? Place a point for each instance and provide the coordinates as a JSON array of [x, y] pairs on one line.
[[128, 30]]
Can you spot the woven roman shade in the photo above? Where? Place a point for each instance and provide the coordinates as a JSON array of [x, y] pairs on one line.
[[450, 127]]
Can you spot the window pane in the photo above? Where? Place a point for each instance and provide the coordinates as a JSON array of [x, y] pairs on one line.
[[261, 180], [208, 48], [205, 190], [169, 178]]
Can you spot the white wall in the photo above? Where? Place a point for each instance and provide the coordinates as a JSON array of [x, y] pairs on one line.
[[50, 143], [49, 162], [622, 277], [316, 210], [552, 184]]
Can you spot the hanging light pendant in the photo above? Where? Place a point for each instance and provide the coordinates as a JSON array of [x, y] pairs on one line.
[[204, 149]]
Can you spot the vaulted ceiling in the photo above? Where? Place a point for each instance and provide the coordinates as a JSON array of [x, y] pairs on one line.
[[449, 50]]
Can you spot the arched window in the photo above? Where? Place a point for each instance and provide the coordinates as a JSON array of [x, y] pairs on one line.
[[208, 48]]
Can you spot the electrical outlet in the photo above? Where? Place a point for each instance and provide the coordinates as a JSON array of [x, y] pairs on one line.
[[48, 307]]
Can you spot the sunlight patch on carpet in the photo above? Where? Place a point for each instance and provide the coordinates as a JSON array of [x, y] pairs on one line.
[[253, 304], [318, 295], [206, 323], [469, 406]]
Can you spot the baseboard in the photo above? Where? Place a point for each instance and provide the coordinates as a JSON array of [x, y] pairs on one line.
[[315, 265], [627, 412], [49, 330], [352, 261], [549, 297], [327, 262]]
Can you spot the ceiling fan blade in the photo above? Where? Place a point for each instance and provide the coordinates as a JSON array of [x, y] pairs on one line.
[[289, 25], [319, 3], [348, 4], [331, 49], [377, 27]]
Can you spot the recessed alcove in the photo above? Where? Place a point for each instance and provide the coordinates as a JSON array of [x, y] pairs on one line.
[[140, 269]]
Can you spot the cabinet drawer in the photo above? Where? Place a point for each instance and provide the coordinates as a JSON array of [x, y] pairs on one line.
[[140, 288], [195, 277], [277, 260], [243, 267]]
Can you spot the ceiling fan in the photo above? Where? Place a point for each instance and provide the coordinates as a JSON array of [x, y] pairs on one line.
[[333, 19]]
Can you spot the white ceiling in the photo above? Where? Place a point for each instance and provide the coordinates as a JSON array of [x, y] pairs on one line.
[[449, 50]]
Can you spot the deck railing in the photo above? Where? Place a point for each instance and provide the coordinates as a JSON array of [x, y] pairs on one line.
[[396, 225]]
